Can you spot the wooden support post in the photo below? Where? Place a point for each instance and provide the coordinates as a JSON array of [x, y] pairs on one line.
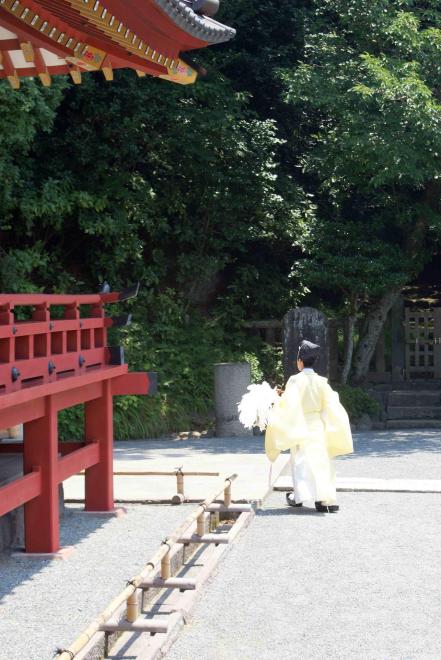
[[40, 452], [99, 428], [132, 611]]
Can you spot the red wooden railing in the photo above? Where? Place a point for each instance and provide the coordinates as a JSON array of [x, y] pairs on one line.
[[48, 364]]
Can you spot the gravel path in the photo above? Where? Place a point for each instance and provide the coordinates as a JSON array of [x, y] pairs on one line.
[[361, 584], [47, 604]]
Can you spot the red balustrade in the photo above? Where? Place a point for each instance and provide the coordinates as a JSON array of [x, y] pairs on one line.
[[57, 358]]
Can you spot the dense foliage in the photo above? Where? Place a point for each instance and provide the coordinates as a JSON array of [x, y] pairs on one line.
[[305, 167]]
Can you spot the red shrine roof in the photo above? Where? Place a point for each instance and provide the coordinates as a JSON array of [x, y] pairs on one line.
[[50, 37]]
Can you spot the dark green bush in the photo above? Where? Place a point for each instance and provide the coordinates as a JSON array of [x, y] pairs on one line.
[[357, 402], [183, 350]]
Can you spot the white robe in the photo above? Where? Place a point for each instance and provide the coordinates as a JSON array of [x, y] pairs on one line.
[[310, 421]]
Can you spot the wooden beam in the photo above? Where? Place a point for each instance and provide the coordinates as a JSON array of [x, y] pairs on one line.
[[75, 74], [140, 74], [135, 383], [27, 50], [41, 67], [11, 74], [107, 69]]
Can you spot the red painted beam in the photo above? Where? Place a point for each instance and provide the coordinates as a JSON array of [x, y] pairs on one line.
[[66, 448], [77, 395], [18, 414], [80, 459], [48, 299], [134, 383], [38, 392], [19, 492], [27, 328]]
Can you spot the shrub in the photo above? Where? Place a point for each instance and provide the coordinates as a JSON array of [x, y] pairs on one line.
[[357, 402]]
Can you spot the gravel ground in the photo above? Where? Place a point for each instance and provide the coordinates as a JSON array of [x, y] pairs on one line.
[[360, 584], [47, 604], [394, 455]]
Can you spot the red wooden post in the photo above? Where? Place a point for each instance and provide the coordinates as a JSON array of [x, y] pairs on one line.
[[99, 428], [41, 451]]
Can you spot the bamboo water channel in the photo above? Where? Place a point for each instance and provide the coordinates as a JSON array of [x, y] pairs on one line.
[[180, 475], [128, 597]]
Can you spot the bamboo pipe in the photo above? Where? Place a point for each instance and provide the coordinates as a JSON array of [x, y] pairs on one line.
[[165, 564], [200, 525], [227, 494], [180, 482], [132, 611], [132, 586], [122, 473]]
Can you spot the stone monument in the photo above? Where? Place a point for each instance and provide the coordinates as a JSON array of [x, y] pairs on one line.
[[230, 384], [305, 323]]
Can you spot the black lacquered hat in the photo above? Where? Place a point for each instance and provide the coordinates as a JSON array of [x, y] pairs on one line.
[[308, 350]]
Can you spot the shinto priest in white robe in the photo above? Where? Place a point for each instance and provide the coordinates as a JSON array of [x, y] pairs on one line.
[[309, 420]]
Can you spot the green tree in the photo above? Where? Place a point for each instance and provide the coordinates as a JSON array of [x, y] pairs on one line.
[[368, 88]]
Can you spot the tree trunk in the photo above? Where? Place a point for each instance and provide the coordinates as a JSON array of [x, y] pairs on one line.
[[349, 347], [374, 325]]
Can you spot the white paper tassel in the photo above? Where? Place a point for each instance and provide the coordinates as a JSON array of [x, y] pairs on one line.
[[255, 405]]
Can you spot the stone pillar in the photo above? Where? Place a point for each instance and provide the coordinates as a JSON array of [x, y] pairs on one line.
[[305, 323], [398, 341], [230, 384]]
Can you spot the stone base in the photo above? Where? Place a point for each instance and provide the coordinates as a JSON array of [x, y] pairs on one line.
[[63, 553], [116, 513]]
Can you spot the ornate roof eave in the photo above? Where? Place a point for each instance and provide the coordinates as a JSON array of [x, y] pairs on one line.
[[198, 26], [51, 37]]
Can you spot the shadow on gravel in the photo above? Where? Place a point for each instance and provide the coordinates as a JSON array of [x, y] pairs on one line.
[[291, 511], [168, 448], [74, 528], [372, 443], [391, 444]]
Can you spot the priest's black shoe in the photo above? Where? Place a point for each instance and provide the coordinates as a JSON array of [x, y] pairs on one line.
[[291, 501], [326, 508]]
